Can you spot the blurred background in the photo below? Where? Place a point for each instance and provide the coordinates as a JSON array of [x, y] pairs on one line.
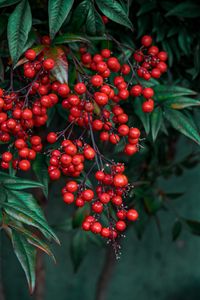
[[160, 255]]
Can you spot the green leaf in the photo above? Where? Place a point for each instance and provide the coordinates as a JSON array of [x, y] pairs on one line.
[[182, 102], [4, 3], [26, 255], [165, 92], [184, 41], [25, 200], [58, 12], [193, 225], [40, 169], [70, 38], [94, 23], [60, 70], [30, 218], [146, 7], [32, 239], [145, 118], [176, 230], [17, 183], [78, 248], [185, 10], [156, 122], [19, 25], [114, 11], [80, 14], [183, 124]]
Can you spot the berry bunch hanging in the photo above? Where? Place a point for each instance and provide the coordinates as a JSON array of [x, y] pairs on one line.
[[92, 104]]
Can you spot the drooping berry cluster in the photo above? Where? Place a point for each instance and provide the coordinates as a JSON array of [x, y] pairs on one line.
[[93, 104]]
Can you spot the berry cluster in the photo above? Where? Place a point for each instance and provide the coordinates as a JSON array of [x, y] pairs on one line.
[[108, 195], [69, 160], [94, 104]]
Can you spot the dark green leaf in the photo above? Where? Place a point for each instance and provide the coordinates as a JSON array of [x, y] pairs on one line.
[[26, 255], [58, 12], [146, 7], [80, 14], [145, 118], [19, 25], [70, 38], [4, 3], [32, 239], [114, 11], [183, 124], [185, 10], [40, 169], [25, 200], [156, 122], [17, 183], [194, 226], [182, 102], [94, 23], [29, 217], [176, 230], [165, 92]]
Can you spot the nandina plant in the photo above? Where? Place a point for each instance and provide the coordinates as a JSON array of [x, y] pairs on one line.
[[75, 105]]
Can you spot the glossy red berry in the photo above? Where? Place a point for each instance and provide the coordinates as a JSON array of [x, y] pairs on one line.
[[146, 40], [132, 215], [48, 64], [51, 137], [120, 226]]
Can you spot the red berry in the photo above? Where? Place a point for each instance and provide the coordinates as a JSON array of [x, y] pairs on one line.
[[80, 88], [96, 227], [132, 215], [136, 90], [162, 55], [88, 195], [147, 93], [89, 153], [104, 198], [120, 180], [134, 133], [121, 214], [7, 156], [54, 174], [130, 149], [72, 186], [24, 165], [51, 137], [105, 19], [99, 175], [120, 225], [63, 90], [101, 98], [30, 54], [123, 130], [148, 106], [97, 207], [96, 80], [48, 64], [146, 40], [68, 198], [153, 50], [86, 225], [105, 53], [105, 232]]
